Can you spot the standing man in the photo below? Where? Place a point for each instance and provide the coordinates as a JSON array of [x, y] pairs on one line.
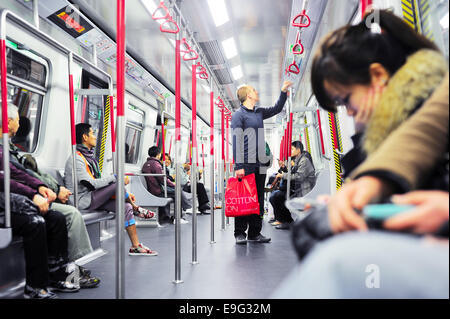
[[249, 154]]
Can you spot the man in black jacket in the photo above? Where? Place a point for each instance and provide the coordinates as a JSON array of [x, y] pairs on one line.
[[247, 125]]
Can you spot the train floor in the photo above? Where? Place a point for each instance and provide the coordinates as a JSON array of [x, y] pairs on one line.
[[225, 270]]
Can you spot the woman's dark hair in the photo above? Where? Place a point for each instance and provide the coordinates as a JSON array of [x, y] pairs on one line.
[[298, 145], [80, 130], [344, 57], [153, 151]]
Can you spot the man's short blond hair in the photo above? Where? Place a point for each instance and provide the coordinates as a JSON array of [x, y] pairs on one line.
[[242, 92]]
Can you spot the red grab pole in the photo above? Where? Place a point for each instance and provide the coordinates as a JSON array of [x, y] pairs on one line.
[[365, 4], [113, 128], [321, 134], [211, 116], [291, 118], [163, 142], [194, 106], [177, 91], [120, 188]]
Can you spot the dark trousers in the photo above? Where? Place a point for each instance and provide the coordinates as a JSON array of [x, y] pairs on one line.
[[281, 213], [252, 222], [202, 196], [45, 246]]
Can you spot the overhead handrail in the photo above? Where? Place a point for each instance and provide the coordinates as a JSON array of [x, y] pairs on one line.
[[301, 24]]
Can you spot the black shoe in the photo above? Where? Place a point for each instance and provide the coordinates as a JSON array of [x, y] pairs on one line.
[[38, 293], [259, 239], [241, 240], [285, 226], [89, 282], [204, 207], [63, 286]]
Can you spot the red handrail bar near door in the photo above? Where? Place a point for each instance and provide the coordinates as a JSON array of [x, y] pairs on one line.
[[211, 116], [113, 128]]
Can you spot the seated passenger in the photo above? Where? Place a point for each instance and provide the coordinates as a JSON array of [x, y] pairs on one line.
[[44, 231], [381, 264], [96, 192], [170, 173], [21, 139], [203, 200], [418, 122], [79, 243], [302, 182], [155, 185]]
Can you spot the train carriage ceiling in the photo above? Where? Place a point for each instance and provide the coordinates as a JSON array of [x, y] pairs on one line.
[[260, 29]]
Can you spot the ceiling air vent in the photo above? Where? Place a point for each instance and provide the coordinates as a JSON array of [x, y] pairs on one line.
[[212, 52], [223, 76]]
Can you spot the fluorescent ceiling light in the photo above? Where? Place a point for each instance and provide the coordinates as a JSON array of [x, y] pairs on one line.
[[229, 46], [218, 11], [444, 21], [237, 72]]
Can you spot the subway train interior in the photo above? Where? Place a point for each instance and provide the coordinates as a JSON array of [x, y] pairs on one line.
[[167, 90]]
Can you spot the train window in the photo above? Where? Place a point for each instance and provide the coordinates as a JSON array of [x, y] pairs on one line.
[[30, 108], [26, 89], [25, 68], [92, 108], [133, 132]]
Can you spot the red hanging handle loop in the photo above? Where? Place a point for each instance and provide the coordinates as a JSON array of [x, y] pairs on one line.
[[293, 68], [298, 44], [167, 30], [301, 24], [189, 54], [161, 7]]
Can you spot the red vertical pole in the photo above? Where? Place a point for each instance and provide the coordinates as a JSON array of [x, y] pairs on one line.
[[5, 130], [364, 6], [120, 189], [4, 88], [291, 119], [211, 116], [194, 110], [227, 133], [320, 131], [222, 111], [177, 91], [72, 110], [170, 145], [163, 142], [157, 139], [113, 128]]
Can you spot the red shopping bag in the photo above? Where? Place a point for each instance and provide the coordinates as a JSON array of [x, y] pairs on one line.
[[241, 197]]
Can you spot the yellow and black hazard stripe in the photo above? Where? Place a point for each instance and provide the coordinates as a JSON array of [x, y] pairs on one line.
[[410, 13], [104, 134], [308, 144], [337, 159], [424, 11], [338, 133]]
